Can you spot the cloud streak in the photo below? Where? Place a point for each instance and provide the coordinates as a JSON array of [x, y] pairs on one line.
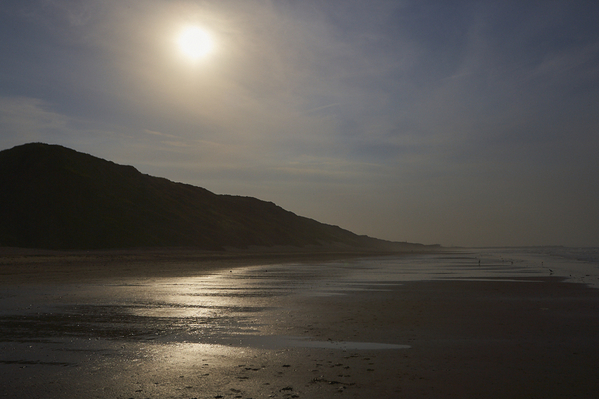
[[470, 123]]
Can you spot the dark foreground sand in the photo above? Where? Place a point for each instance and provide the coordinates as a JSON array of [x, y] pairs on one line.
[[532, 338]]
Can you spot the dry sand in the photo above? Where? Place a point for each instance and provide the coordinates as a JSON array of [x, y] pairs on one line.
[[527, 338]]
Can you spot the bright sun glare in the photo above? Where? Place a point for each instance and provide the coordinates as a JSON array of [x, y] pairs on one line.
[[194, 42]]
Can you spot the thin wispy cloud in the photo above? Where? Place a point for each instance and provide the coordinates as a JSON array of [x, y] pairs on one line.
[[457, 123]]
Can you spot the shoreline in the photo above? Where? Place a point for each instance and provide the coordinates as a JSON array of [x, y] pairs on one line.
[[18, 265]]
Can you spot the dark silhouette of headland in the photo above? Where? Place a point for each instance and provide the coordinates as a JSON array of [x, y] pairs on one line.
[[52, 197]]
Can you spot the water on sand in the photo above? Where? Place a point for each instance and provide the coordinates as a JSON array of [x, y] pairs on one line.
[[52, 333]]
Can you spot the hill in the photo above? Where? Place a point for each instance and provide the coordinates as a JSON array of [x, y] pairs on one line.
[[54, 197]]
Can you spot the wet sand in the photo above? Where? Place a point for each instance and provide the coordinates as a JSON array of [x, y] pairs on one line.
[[32, 266], [216, 328]]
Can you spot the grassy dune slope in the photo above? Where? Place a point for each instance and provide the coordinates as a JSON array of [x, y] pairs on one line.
[[57, 198]]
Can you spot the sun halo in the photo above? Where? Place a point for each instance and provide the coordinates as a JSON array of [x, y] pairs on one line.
[[194, 42]]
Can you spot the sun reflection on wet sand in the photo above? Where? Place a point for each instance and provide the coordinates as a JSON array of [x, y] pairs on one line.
[[203, 327]]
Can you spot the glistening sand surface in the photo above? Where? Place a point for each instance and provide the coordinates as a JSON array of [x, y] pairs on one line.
[[437, 325]]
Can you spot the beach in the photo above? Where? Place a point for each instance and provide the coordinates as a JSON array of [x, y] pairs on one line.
[[455, 324]]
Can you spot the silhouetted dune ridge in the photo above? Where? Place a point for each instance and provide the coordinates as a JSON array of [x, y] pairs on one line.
[[57, 198]]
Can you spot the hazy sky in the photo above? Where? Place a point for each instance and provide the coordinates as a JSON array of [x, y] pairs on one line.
[[453, 122]]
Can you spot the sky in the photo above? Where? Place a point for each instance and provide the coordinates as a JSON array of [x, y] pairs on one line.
[[460, 123]]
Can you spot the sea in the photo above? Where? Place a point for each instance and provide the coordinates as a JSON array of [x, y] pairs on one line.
[[573, 265]]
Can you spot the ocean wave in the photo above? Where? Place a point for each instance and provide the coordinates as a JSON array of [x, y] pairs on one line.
[[583, 254]]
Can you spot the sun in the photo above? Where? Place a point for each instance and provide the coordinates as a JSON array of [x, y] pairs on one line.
[[194, 42]]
